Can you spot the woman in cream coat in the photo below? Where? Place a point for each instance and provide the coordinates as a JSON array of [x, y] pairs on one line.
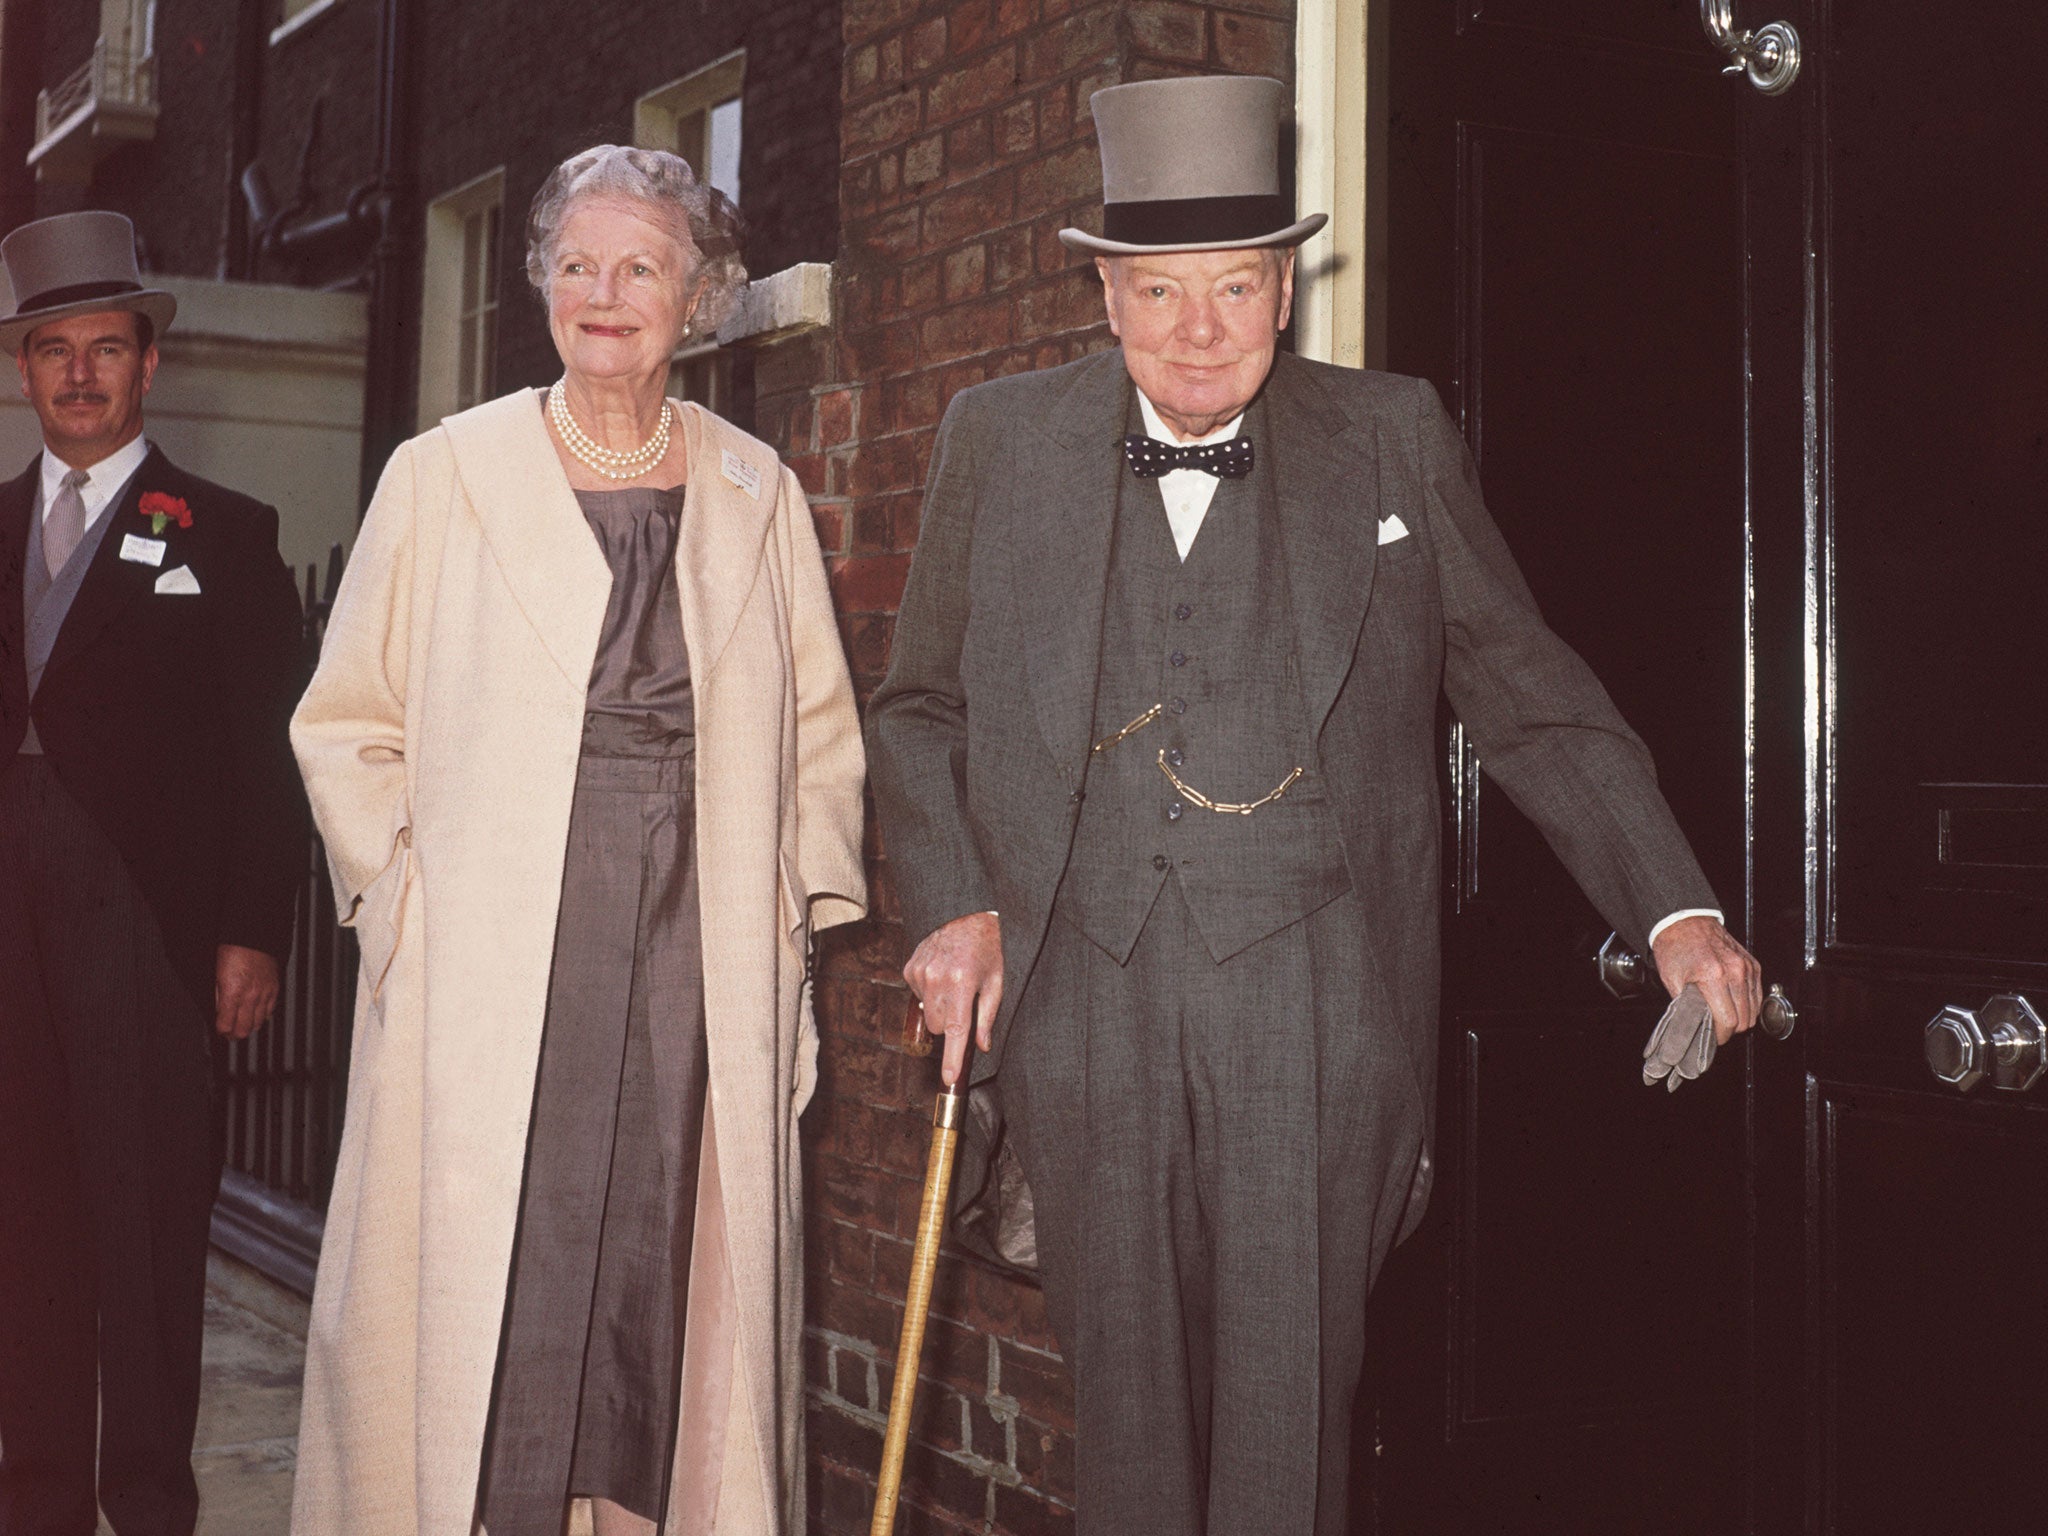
[[518, 757]]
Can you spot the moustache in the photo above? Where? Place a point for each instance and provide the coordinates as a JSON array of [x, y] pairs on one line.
[[81, 397]]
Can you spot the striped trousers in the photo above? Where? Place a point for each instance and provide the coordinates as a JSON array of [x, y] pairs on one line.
[[109, 1163]]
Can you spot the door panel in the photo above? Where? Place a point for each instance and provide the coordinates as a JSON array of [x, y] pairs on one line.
[[1591, 265], [1903, 746], [1659, 24], [1597, 1224], [1936, 325], [1563, 1345], [1931, 1212]]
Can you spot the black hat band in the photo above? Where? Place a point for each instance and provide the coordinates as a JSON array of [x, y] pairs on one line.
[[77, 293], [1195, 220]]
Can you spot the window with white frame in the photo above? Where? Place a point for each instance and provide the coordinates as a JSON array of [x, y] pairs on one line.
[[459, 298], [698, 117], [476, 341], [703, 374]]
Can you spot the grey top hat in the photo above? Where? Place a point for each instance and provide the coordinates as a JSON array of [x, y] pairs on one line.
[[75, 264], [1192, 165]]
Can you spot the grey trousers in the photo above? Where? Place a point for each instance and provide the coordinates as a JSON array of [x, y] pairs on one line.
[[109, 1163], [1218, 1157], [586, 1398]]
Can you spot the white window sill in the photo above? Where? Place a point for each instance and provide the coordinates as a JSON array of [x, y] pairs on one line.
[[781, 305], [291, 26]]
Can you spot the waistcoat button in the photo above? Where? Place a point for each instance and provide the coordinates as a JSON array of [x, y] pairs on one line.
[[1175, 811], [1177, 706], [1179, 658], [1183, 611], [1159, 861], [1175, 756]]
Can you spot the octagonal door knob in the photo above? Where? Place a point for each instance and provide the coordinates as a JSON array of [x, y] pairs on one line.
[[2003, 1041]]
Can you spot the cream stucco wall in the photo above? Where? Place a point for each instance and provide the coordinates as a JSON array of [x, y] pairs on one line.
[[1339, 118], [261, 389]]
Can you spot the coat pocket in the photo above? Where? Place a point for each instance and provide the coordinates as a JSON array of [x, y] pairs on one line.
[[806, 1054], [379, 917], [796, 929], [795, 905]]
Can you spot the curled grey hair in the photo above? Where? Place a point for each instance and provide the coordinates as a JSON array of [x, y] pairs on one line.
[[694, 212]]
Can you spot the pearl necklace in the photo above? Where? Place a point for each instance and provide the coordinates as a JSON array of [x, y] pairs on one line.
[[608, 462]]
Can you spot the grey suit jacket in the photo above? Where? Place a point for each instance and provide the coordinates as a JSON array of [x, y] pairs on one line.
[[979, 735]]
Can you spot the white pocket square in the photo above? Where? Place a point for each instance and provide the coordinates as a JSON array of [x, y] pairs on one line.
[[1392, 528], [182, 582]]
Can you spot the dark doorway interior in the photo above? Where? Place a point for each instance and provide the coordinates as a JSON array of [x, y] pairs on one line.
[[1756, 391]]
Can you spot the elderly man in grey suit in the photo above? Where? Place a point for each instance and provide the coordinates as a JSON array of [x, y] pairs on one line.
[[1155, 761]]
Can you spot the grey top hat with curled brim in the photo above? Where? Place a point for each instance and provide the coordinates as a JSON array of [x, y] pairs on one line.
[[75, 264], [1192, 165]]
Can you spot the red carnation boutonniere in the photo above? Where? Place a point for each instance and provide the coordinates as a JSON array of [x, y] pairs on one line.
[[160, 507]]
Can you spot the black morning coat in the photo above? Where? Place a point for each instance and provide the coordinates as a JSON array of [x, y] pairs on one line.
[[166, 715]]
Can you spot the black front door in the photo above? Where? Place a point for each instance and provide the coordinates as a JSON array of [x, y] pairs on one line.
[[1901, 511], [1757, 391]]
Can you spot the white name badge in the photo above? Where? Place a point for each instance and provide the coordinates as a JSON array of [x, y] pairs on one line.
[[740, 472], [143, 551]]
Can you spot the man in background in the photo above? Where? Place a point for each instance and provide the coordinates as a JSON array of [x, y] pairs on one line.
[[152, 830]]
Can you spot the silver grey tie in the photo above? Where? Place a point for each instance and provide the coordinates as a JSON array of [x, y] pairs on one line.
[[65, 524]]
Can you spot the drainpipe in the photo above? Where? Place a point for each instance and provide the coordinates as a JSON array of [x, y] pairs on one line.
[[394, 260], [21, 68], [245, 128]]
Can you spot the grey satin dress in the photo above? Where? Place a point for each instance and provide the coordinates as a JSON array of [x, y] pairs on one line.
[[587, 1389]]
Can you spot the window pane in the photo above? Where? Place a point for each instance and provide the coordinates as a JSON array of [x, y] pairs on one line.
[[488, 279], [725, 148], [487, 354], [465, 381], [690, 131], [472, 250], [705, 379]]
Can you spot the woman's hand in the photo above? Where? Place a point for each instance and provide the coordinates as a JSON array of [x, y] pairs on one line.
[[957, 974]]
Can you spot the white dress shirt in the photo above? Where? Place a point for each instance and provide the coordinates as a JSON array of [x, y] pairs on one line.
[[105, 480], [1186, 492]]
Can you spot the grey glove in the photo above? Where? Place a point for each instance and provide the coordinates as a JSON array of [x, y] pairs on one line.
[[1682, 1044]]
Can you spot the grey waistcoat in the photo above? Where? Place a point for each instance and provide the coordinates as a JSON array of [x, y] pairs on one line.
[[46, 603], [1213, 641]]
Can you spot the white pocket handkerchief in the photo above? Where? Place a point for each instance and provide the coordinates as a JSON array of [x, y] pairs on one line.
[[1391, 529], [181, 582]]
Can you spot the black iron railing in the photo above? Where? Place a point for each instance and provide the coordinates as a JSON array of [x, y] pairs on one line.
[[286, 1085]]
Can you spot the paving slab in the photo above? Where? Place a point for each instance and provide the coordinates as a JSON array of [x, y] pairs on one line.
[[247, 1445]]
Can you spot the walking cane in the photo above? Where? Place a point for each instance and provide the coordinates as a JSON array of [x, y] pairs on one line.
[[947, 1113]]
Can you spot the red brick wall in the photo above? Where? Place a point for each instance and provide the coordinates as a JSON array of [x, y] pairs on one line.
[[966, 144]]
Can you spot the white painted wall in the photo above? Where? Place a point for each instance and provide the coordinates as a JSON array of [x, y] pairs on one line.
[[1339, 299], [261, 389]]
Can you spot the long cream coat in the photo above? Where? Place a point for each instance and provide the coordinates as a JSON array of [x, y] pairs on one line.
[[439, 743]]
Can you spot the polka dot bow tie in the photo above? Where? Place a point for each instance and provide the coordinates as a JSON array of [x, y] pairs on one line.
[[1150, 458]]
